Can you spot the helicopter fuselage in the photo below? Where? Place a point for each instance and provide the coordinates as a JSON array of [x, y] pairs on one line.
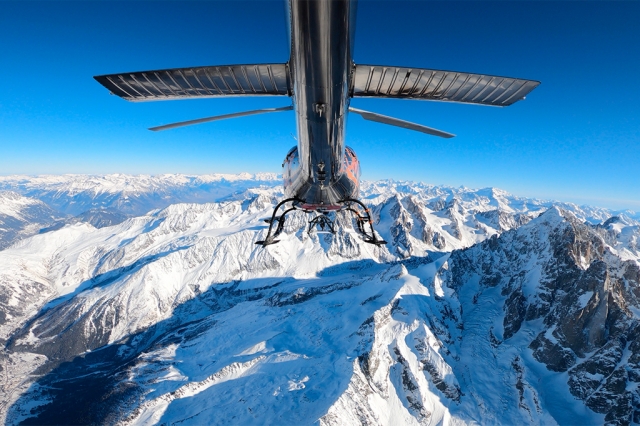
[[320, 174], [321, 171]]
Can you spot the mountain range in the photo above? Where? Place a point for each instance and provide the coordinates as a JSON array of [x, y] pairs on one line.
[[143, 300]]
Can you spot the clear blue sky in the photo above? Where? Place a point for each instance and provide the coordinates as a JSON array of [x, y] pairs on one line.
[[575, 138]]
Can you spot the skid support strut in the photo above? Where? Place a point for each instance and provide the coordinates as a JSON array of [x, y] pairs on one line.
[[270, 239], [323, 221], [363, 218]]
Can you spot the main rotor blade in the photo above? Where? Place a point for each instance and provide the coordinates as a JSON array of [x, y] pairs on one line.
[[220, 117], [372, 116]]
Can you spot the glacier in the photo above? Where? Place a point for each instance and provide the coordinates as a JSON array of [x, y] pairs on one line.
[[484, 308]]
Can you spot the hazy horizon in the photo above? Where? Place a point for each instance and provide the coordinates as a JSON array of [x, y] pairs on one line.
[[575, 138]]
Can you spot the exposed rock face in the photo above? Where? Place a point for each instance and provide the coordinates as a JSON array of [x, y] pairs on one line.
[[481, 309], [502, 220], [560, 273]]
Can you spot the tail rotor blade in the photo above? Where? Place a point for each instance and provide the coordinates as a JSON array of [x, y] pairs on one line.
[[220, 117], [372, 116]]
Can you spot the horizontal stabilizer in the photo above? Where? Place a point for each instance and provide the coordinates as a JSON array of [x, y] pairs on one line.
[[199, 82], [372, 116], [220, 117], [435, 85]]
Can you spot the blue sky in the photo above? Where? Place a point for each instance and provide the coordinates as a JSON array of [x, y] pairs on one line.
[[575, 138]]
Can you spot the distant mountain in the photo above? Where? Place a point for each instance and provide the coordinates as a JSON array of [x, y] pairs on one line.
[[483, 308], [132, 195], [23, 216], [98, 217], [105, 200], [135, 195], [101, 217]]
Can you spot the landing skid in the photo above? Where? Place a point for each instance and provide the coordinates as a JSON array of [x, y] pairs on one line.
[[323, 221], [277, 219], [363, 217]]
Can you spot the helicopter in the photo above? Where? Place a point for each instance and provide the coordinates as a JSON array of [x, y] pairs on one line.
[[320, 175]]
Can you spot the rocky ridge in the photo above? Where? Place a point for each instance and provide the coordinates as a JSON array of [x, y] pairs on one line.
[[480, 309], [569, 292]]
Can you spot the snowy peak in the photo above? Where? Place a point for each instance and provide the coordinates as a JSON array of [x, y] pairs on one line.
[[23, 216], [122, 183], [19, 207], [567, 297], [483, 308], [138, 194], [131, 194]]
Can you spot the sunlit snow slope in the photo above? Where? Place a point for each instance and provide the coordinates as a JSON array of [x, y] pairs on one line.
[[483, 308], [22, 216]]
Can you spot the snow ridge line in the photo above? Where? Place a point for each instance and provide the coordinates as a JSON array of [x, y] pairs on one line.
[[232, 371]]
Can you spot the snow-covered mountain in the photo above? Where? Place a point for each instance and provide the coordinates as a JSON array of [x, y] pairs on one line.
[[23, 216], [104, 200], [131, 194], [483, 308]]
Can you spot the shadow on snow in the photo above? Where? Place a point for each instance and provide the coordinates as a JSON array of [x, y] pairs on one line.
[[96, 387]]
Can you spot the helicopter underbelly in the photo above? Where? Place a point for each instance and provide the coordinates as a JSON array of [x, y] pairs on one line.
[[317, 172], [316, 194]]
